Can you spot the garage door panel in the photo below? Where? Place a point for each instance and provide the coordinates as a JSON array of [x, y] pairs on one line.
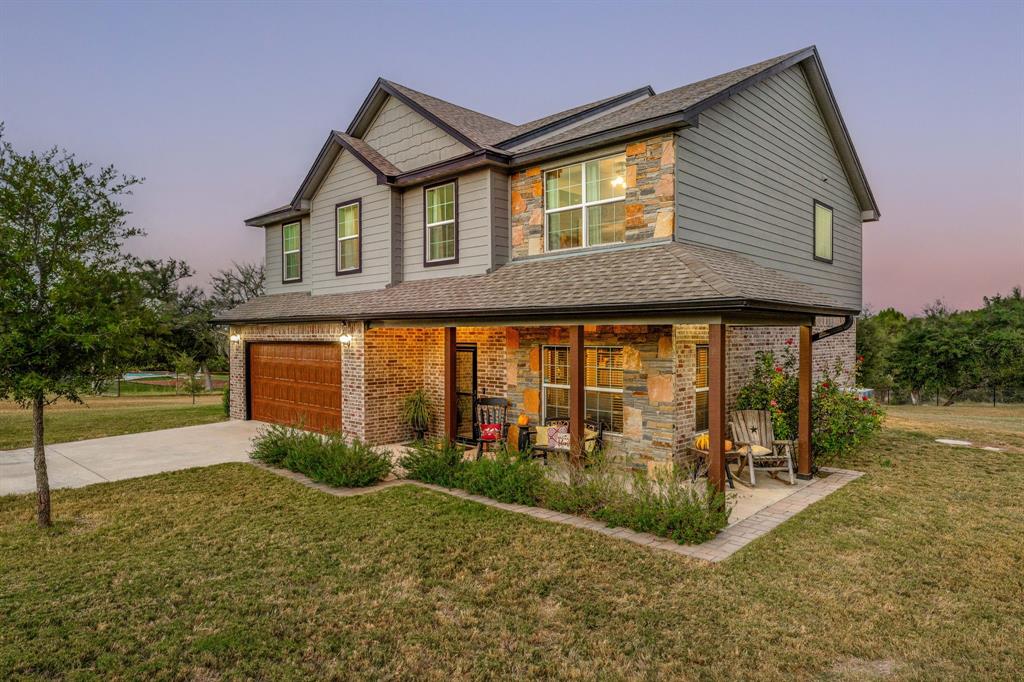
[[296, 383]]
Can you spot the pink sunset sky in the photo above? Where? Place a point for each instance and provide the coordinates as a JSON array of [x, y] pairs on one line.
[[223, 107]]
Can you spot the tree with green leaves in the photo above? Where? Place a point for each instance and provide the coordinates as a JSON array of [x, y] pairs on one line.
[[186, 368], [72, 308]]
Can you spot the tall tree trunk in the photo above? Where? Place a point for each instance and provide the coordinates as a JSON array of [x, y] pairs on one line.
[[42, 481], [207, 377]]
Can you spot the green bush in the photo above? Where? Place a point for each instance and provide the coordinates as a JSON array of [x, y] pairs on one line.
[[669, 506], [225, 401], [326, 459], [504, 478], [435, 460], [839, 419]]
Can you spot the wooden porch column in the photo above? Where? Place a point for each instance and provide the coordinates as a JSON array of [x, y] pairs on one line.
[[450, 400], [577, 394], [716, 405], [803, 467]]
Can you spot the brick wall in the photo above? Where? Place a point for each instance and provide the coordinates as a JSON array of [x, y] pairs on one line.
[[649, 202], [491, 367], [352, 357]]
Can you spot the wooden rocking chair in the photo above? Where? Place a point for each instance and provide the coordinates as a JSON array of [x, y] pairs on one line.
[[754, 436], [491, 423]]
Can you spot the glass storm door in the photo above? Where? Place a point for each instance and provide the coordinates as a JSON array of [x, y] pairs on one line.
[[465, 390]]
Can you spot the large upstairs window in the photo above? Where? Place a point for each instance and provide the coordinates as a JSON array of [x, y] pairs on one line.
[[291, 252], [441, 224], [584, 204], [822, 232], [348, 256]]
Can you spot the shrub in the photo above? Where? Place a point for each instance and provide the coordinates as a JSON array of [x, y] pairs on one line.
[[669, 506], [586, 490], [504, 478], [271, 444], [352, 464], [436, 461], [326, 459], [840, 420], [225, 401]]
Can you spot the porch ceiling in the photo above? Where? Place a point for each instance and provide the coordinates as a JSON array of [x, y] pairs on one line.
[[667, 282]]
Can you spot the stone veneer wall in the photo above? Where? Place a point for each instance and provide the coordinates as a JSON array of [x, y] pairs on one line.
[[648, 395], [650, 197]]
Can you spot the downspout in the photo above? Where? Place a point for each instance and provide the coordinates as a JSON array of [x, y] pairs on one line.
[[824, 334], [832, 331]]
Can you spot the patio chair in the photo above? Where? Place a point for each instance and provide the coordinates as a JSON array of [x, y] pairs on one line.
[[491, 423], [753, 434], [554, 437]]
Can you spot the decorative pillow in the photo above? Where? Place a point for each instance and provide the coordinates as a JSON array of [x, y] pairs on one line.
[[558, 436], [490, 431], [589, 440]]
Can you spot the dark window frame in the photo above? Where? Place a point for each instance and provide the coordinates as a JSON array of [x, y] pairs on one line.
[[356, 270], [427, 263], [697, 428], [814, 232], [284, 260]]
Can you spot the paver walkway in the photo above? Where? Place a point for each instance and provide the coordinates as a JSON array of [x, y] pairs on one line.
[[724, 545]]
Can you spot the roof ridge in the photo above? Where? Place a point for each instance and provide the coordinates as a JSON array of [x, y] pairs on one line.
[[453, 104], [698, 267]]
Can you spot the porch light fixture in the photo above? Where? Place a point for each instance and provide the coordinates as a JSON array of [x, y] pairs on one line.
[[345, 339], [235, 338]]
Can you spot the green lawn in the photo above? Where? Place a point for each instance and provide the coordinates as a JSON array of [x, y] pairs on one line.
[[106, 417], [915, 571]]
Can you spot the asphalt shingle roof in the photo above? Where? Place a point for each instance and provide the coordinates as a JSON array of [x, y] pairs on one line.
[[659, 274], [370, 154], [480, 128]]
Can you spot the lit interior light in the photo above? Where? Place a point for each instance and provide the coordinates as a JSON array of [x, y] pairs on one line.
[[618, 181]]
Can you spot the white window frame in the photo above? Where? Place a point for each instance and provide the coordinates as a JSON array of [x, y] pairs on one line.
[[584, 220], [453, 222], [544, 385], [285, 253]]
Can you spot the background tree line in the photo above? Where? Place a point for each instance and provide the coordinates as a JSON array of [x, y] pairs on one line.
[[945, 355]]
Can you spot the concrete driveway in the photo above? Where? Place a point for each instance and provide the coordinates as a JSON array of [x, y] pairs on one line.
[[73, 465]]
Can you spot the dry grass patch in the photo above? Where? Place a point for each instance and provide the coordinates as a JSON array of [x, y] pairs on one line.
[[915, 571]]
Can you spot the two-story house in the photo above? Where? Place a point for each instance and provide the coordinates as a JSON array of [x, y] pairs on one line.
[[621, 262]]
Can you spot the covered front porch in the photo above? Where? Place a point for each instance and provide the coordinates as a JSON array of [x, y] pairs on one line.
[[653, 383]]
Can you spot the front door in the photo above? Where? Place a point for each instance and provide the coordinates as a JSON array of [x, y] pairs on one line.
[[465, 390]]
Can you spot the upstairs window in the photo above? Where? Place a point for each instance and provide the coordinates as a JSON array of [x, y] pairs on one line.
[[584, 204], [291, 252], [603, 384], [700, 387], [349, 251], [822, 232], [441, 224]]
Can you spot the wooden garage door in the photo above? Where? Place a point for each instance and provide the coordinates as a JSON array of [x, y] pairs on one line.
[[296, 383]]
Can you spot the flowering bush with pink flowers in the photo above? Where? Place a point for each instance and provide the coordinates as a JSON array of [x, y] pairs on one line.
[[840, 420]]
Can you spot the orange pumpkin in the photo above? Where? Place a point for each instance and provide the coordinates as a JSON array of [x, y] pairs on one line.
[[523, 420], [728, 445]]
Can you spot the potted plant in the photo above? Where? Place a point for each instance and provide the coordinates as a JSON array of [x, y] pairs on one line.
[[416, 412]]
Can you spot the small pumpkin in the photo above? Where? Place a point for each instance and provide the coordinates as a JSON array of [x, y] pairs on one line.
[[728, 446], [702, 442], [523, 420]]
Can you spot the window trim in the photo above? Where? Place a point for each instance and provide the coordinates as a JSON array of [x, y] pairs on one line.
[[359, 236], [544, 385], [699, 389], [814, 232], [427, 263], [284, 259], [583, 206]]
